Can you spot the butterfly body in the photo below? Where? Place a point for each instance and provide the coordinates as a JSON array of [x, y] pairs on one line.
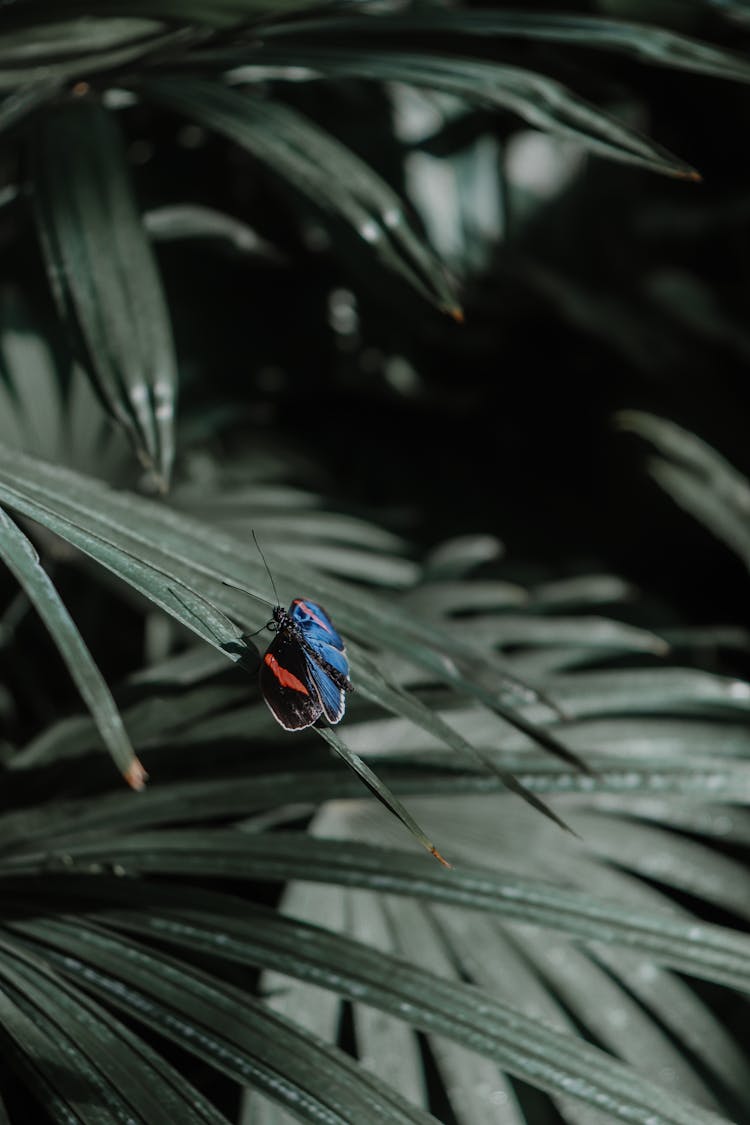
[[304, 673]]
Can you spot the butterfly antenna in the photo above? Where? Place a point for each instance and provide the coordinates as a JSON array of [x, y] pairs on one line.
[[242, 590], [268, 572]]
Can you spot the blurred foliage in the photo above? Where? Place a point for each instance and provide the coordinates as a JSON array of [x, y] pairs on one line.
[[391, 285]]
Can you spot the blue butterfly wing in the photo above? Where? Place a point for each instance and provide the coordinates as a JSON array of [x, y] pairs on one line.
[[332, 697], [323, 646], [333, 656], [317, 627]]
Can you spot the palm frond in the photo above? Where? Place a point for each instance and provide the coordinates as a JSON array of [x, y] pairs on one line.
[[104, 276]]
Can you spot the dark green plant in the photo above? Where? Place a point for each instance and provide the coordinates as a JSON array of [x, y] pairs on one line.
[[253, 936]]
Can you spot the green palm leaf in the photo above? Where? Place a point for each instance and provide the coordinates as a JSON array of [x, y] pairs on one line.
[[218, 1023], [526, 1047], [318, 166], [645, 42], [698, 478], [103, 274], [537, 99], [19, 555], [707, 951], [82, 1064], [173, 561]]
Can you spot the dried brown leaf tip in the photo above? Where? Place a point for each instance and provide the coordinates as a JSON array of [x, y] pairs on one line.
[[136, 776]]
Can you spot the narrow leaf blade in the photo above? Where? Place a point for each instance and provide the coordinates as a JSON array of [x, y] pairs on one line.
[[104, 275], [21, 558]]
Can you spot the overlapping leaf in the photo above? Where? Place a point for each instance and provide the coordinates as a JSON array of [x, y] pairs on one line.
[[130, 16], [218, 1023], [81, 1063], [537, 99], [318, 166], [527, 1047], [645, 42], [103, 273], [35, 59], [698, 478], [183, 567], [589, 912]]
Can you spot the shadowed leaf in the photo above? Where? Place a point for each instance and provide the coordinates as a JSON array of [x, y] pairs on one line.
[[103, 273], [19, 555]]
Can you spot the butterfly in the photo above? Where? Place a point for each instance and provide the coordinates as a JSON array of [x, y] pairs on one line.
[[304, 672]]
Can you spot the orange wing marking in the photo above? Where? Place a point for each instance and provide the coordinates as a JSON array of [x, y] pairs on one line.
[[285, 678], [316, 619]]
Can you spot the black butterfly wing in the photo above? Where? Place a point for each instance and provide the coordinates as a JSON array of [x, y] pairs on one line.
[[286, 684]]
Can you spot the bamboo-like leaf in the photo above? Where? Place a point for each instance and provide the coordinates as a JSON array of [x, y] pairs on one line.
[[212, 13], [221, 1024], [705, 950], [641, 691], [173, 561], [191, 220], [713, 821], [736, 11], [510, 965], [604, 1007], [42, 412], [464, 597], [526, 1047], [671, 860], [380, 790], [684, 1015], [24, 1043], [458, 556], [537, 99], [665, 735], [32, 405], [110, 543], [585, 632], [69, 36], [648, 43], [205, 800], [408, 932], [103, 273], [319, 167], [360, 564], [18, 104], [190, 606], [46, 56], [583, 590], [115, 1074], [698, 478], [381, 1035], [397, 701], [18, 554]]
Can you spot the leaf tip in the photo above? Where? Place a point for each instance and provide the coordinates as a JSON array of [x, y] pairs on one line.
[[136, 776], [691, 174], [457, 313], [440, 858]]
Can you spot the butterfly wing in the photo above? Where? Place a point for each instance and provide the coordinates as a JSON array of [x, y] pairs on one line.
[[325, 647], [317, 627], [287, 684], [332, 696]]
